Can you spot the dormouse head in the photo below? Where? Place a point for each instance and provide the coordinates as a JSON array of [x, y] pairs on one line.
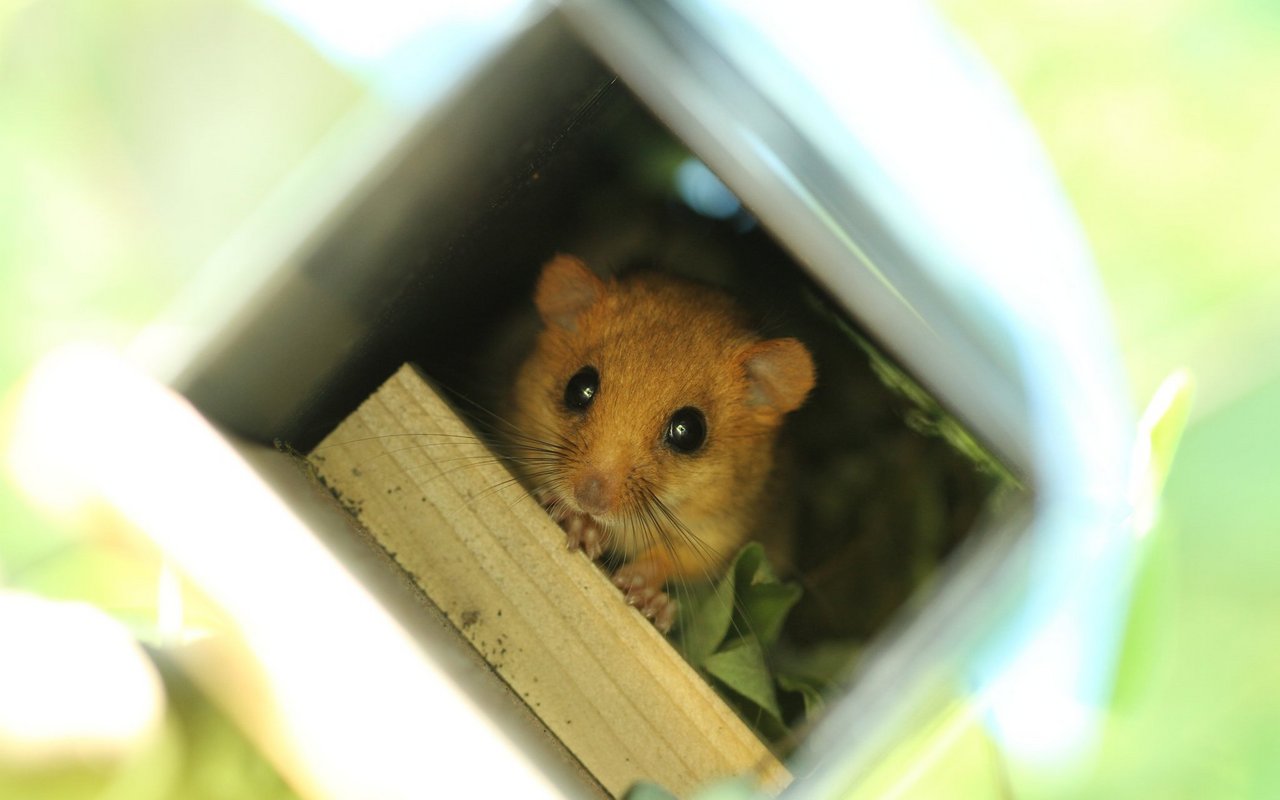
[[653, 387]]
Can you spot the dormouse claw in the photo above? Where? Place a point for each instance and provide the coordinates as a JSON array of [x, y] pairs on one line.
[[646, 596], [582, 533]]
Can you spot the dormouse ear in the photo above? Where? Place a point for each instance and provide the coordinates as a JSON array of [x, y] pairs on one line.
[[780, 374], [566, 288]]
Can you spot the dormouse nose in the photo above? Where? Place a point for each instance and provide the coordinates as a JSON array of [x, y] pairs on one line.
[[596, 492]]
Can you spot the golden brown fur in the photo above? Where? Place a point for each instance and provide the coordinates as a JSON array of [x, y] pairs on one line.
[[659, 344]]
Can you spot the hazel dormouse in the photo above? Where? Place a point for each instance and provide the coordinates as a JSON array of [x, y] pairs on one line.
[[647, 421]]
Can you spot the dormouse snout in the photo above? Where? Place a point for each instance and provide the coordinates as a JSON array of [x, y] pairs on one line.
[[596, 492]]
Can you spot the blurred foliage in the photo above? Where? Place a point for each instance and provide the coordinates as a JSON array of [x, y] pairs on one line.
[[1161, 118], [136, 137], [196, 754]]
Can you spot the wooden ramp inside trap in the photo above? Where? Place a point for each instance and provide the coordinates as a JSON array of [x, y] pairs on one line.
[[593, 670]]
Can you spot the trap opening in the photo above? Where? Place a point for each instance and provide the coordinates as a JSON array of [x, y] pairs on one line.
[[546, 150]]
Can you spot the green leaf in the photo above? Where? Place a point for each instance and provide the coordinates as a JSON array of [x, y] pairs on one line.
[[761, 602], [1159, 430], [810, 691], [741, 667], [1163, 421], [750, 566], [735, 788], [704, 621], [707, 618], [764, 608], [643, 790]]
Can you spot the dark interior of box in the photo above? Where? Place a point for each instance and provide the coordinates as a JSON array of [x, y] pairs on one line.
[[550, 153]]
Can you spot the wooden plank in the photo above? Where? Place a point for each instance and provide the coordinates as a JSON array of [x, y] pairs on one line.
[[597, 674]]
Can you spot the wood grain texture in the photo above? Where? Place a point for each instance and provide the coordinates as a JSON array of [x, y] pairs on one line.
[[597, 674]]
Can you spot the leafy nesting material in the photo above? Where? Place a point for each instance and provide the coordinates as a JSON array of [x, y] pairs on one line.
[[741, 666], [809, 689], [728, 631], [926, 416]]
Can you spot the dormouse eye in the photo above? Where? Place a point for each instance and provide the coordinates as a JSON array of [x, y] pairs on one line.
[[581, 389], [687, 430]]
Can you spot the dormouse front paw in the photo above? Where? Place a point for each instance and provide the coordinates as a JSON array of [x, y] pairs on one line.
[[581, 532], [641, 591]]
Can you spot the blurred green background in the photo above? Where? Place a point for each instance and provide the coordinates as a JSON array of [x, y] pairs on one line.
[[1162, 119], [136, 136]]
